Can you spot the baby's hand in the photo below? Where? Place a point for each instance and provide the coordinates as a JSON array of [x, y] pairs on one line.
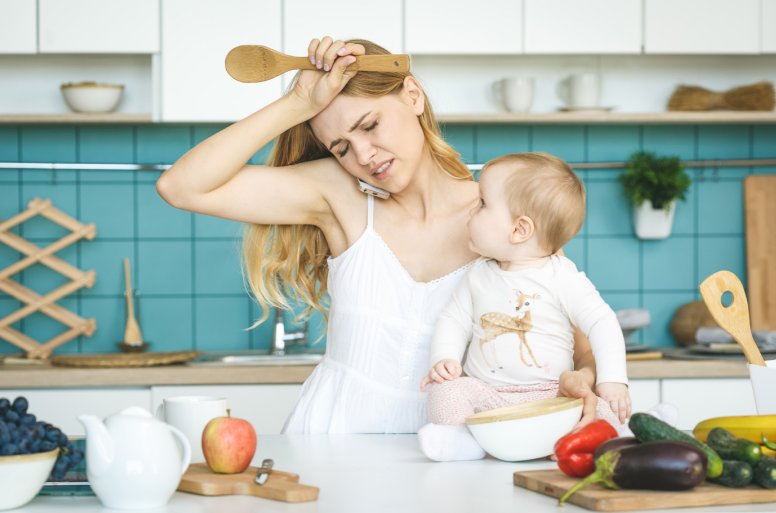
[[444, 369], [616, 394]]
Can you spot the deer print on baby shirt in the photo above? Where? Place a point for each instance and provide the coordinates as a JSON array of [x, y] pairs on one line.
[[497, 323]]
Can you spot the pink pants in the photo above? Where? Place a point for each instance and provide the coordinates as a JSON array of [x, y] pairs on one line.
[[449, 403]]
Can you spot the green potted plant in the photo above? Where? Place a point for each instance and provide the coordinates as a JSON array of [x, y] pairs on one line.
[[652, 185]]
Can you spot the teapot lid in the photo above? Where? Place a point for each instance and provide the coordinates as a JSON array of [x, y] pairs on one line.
[[136, 411]]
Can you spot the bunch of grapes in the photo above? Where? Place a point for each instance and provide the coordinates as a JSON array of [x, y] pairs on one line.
[[22, 433]]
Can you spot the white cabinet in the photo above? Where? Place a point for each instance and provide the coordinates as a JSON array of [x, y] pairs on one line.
[[196, 37], [376, 20], [62, 406], [644, 394], [266, 407], [582, 26], [98, 26], [768, 27], [463, 27], [702, 26], [701, 399], [18, 26]]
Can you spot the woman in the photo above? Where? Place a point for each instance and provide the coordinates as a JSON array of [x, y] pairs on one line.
[[389, 265]]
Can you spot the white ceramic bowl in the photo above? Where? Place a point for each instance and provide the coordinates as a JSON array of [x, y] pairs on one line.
[[92, 97], [22, 476], [525, 431]]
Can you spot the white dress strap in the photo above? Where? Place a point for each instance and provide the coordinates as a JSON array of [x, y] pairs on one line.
[[370, 201]]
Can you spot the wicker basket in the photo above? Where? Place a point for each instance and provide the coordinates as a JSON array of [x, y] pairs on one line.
[[125, 359]]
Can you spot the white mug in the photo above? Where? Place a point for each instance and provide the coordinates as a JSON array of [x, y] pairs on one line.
[[514, 93], [580, 90], [190, 414]]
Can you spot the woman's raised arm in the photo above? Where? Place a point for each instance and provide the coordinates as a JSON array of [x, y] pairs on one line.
[[212, 178]]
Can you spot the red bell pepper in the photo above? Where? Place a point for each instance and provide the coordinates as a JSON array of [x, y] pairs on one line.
[[575, 450]]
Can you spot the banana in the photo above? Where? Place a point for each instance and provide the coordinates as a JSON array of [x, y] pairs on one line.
[[748, 427]]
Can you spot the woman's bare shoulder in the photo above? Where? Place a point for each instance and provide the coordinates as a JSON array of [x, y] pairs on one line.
[[328, 174], [346, 202]]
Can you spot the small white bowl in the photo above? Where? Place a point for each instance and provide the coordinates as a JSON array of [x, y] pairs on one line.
[[22, 476], [92, 97], [525, 431]]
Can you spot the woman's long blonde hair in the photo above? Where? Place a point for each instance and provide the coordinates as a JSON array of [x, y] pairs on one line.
[[290, 260]]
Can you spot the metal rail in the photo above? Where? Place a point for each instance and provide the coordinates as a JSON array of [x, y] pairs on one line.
[[474, 167]]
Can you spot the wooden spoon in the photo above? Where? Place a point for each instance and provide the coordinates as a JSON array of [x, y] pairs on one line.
[[132, 335], [735, 318], [254, 63]]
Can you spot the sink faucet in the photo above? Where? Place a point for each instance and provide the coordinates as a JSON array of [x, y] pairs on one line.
[[280, 337]]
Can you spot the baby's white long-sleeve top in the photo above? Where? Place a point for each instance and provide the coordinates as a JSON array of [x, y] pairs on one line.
[[518, 324]]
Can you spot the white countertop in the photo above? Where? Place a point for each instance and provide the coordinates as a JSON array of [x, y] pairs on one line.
[[374, 474]]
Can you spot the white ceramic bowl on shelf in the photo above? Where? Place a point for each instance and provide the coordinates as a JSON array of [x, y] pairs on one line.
[[92, 97], [22, 476], [525, 431]]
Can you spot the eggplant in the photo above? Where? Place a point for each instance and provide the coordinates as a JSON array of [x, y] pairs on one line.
[[615, 443], [662, 465]]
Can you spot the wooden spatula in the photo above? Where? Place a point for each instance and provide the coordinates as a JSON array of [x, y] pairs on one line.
[[254, 63], [735, 318], [132, 335]]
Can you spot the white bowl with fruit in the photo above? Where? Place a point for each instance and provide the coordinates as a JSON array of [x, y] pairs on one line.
[[22, 476], [31, 452]]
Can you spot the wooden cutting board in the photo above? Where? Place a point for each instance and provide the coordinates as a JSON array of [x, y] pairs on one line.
[[279, 486], [760, 211], [597, 498]]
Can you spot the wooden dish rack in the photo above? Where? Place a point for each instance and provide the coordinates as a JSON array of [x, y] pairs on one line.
[[35, 302]]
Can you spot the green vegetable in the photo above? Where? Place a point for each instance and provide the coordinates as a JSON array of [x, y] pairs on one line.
[[660, 180], [649, 429], [767, 443], [765, 472], [735, 474], [731, 448]]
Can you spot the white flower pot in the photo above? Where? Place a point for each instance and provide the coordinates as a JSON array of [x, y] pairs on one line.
[[653, 223]]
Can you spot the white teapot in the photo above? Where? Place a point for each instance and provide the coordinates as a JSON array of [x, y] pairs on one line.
[[132, 460]]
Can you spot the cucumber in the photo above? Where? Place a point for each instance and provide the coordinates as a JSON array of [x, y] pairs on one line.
[[649, 429], [765, 472], [735, 474], [731, 448]]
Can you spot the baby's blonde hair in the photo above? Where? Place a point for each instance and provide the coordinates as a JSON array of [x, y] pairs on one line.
[[544, 188]]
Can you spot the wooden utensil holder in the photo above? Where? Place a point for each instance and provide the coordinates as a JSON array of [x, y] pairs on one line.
[[35, 302]]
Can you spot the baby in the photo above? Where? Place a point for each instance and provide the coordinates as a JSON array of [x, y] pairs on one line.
[[516, 307]]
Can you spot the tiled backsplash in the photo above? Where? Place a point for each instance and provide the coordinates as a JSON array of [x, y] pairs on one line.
[[187, 266]]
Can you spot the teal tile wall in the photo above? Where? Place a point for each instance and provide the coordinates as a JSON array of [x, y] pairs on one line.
[[187, 266]]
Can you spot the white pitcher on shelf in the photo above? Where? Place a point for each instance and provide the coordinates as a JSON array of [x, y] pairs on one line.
[[132, 460]]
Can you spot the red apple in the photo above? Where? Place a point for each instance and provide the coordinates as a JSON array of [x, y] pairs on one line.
[[229, 444]]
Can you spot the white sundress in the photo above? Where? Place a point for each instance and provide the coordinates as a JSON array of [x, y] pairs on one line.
[[378, 347]]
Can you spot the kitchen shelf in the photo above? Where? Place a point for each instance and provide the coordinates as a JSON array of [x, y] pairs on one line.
[[586, 117], [46, 375], [75, 117], [580, 117]]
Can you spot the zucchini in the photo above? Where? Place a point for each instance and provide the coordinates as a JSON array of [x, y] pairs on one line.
[[765, 472], [731, 448], [735, 474], [650, 429]]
